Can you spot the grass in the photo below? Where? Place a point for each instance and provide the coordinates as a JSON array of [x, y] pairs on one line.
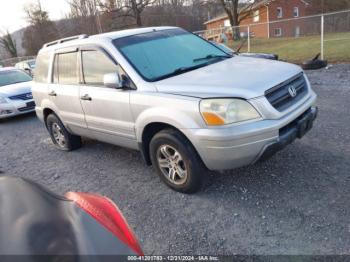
[[297, 50]]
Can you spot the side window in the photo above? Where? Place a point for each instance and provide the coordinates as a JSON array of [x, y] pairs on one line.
[[95, 65], [42, 68], [65, 69]]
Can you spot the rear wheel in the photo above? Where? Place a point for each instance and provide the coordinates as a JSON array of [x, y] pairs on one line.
[[177, 162], [60, 136]]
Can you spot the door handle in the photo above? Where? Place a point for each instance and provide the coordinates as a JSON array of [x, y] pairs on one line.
[[86, 97], [52, 93]]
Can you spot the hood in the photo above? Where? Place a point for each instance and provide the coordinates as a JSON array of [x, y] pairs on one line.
[[242, 77], [16, 89]]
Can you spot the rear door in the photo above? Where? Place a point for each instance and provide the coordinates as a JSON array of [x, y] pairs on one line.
[[107, 110], [64, 90]]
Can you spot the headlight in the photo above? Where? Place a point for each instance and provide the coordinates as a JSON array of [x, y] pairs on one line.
[[3, 100], [217, 112]]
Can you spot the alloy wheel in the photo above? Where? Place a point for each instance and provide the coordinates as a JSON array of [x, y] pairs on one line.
[[172, 164], [58, 135]]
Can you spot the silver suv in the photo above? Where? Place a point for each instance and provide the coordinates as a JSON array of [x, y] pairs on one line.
[[186, 105]]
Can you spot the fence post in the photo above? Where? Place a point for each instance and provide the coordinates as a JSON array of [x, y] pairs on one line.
[[248, 39], [322, 37]]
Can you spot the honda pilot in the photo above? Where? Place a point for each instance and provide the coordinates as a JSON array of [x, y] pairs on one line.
[[184, 103]]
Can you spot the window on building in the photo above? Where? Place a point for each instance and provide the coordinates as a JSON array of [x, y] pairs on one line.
[[65, 69], [256, 16], [279, 12], [296, 12], [278, 31], [95, 65]]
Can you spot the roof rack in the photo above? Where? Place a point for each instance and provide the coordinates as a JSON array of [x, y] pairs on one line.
[[63, 40]]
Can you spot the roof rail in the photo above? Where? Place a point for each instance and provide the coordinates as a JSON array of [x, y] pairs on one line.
[[63, 40]]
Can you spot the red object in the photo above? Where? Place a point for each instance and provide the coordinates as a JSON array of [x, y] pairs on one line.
[[108, 214]]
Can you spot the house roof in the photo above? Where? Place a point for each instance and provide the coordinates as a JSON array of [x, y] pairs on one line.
[[245, 8]]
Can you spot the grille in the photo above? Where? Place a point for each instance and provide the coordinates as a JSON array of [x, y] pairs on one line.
[[29, 106], [280, 96], [26, 96]]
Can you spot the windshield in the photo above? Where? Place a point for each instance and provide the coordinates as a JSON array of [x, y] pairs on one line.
[[161, 54], [13, 77]]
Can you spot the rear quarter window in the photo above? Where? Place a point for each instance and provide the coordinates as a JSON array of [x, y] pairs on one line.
[[42, 68]]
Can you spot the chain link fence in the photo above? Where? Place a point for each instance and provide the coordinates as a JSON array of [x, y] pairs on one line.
[[15, 60], [294, 40]]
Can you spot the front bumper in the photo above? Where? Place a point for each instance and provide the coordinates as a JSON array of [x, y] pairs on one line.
[[16, 107], [297, 129], [240, 145]]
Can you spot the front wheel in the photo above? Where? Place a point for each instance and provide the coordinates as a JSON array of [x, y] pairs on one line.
[[177, 162]]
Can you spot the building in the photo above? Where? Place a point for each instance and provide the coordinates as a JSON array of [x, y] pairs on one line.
[[262, 19]]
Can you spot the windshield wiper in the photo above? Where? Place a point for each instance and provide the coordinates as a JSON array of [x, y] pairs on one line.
[[181, 70], [178, 71], [208, 57], [185, 69]]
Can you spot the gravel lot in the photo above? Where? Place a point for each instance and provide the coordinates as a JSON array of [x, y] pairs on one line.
[[295, 203]]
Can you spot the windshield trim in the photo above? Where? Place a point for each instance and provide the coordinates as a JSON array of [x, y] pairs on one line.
[[170, 75]]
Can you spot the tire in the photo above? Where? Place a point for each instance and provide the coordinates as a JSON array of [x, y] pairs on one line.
[[170, 150], [60, 136], [314, 64]]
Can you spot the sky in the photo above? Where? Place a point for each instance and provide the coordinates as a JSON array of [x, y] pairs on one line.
[[12, 16]]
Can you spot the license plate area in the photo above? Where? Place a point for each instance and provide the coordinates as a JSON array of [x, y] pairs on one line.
[[304, 125], [301, 125]]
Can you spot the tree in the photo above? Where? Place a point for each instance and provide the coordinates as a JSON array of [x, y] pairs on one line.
[[87, 14], [9, 44], [40, 30], [237, 11], [324, 6], [127, 8]]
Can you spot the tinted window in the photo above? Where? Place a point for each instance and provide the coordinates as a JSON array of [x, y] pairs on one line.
[[42, 68], [95, 65], [65, 69]]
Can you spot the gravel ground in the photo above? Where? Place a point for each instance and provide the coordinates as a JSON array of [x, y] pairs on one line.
[[295, 203]]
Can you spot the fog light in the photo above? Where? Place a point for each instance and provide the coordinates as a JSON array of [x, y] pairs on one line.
[[5, 112]]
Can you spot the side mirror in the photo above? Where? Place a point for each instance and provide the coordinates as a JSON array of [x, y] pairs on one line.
[[112, 80], [28, 71]]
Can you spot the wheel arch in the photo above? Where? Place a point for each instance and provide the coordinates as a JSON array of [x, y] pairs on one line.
[[149, 131]]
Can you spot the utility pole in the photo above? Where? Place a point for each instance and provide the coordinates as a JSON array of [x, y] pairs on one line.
[[322, 37]]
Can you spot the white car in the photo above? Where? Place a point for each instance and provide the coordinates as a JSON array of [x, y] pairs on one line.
[[15, 93], [27, 66]]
